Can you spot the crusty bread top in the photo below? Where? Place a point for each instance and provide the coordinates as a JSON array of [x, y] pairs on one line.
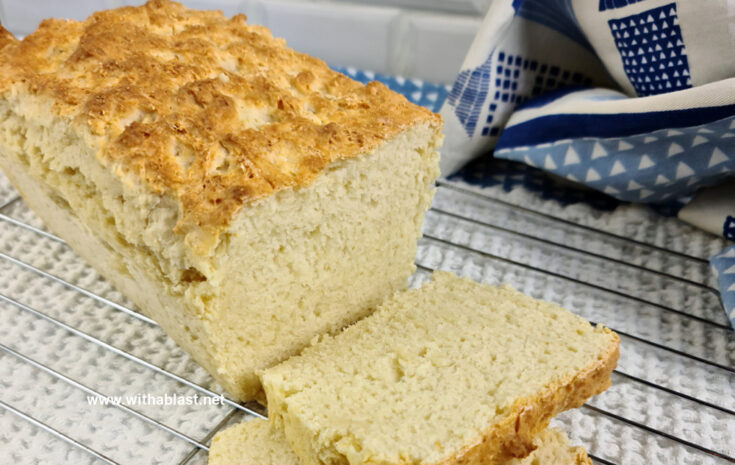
[[210, 110]]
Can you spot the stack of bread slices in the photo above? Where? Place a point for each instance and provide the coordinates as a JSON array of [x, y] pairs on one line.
[[454, 372]]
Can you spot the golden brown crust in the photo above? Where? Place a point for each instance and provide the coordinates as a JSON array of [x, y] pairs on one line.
[[6, 38], [581, 457], [210, 110], [529, 416]]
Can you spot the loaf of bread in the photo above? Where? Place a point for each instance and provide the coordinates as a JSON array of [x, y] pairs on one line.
[[256, 443], [244, 196], [454, 372]]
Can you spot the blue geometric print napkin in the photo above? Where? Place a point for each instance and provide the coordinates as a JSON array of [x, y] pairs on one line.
[[633, 98], [416, 91], [597, 138], [723, 266]]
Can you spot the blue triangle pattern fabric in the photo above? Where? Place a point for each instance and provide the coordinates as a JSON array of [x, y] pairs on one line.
[[422, 93], [651, 167], [728, 229], [652, 50], [612, 4], [723, 266]]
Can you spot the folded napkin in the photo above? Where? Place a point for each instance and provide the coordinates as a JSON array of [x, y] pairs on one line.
[[634, 98]]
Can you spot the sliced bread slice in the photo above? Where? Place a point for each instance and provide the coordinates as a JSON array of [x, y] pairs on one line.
[[256, 443], [452, 373]]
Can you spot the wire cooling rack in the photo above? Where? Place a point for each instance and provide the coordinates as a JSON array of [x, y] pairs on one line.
[[68, 337]]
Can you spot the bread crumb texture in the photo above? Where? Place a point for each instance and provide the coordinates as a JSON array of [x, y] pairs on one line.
[[251, 442], [255, 442], [452, 373], [206, 109]]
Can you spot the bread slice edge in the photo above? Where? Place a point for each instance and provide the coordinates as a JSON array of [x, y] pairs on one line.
[[513, 436]]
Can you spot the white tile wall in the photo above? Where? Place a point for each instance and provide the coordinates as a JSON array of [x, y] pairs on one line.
[[455, 6], [433, 46], [411, 38], [228, 7], [341, 34], [22, 16], [423, 44]]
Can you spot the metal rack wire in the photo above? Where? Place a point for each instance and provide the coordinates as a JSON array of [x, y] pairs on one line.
[[661, 302]]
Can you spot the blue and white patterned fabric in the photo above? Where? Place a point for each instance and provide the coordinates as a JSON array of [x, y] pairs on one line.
[[723, 266], [638, 48], [422, 93], [634, 98], [608, 142]]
